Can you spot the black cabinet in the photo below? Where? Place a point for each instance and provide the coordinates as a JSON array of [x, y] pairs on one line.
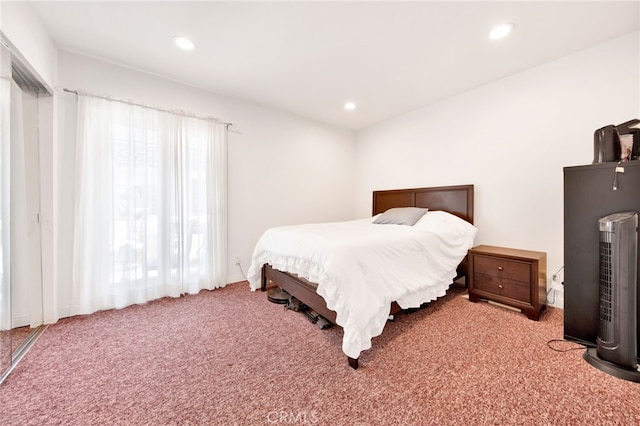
[[588, 196]]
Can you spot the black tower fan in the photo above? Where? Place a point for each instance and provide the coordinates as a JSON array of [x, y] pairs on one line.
[[616, 349]]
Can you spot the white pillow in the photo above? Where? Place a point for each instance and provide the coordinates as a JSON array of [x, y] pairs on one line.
[[400, 216], [442, 222]]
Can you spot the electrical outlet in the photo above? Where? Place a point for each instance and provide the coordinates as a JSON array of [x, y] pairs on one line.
[[557, 279], [237, 260]]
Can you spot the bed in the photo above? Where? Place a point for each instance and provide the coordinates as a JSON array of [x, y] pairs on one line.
[[335, 291]]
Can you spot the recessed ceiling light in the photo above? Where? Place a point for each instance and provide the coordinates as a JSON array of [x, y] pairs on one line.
[[501, 31], [350, 105], [184, 43]]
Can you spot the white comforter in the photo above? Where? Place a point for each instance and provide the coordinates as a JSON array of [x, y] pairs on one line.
[[361, 267]]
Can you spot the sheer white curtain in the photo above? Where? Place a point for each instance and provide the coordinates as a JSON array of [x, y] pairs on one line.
[[150, 205]]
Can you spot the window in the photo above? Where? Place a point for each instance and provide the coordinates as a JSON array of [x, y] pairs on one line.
[[150, 205]]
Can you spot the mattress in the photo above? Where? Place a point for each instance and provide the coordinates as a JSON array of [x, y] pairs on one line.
[[361, 267]]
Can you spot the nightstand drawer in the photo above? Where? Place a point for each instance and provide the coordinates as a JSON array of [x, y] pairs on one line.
[[517, 290], [503, 268]]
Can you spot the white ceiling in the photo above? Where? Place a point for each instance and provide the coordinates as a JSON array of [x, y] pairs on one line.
[[309, 58]]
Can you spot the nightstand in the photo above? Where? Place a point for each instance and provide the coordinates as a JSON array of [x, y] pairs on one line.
[[516, 278]]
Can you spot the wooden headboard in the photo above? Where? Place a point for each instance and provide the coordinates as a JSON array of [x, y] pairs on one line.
[[457, 200]]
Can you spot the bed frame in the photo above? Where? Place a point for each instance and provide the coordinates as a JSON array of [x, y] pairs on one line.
[[457, 200]]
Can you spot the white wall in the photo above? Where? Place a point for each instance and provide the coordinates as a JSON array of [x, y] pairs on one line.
[[511, 139], [23, 28], [282, 169]]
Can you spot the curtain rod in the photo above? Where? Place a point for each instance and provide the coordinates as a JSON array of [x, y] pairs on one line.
[[176, 112]]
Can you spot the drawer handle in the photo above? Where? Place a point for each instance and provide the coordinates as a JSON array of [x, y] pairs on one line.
[[500, 268], [500, 286]]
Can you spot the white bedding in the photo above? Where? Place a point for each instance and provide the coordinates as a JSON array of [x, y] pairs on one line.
[[361, 267]]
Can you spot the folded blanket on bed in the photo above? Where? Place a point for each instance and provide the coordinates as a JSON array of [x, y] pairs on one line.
[[361, 267]]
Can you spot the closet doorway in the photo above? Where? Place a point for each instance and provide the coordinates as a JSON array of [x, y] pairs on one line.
[[21, 292]]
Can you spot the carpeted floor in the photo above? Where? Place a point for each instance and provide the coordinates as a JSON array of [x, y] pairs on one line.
[[229, 357]]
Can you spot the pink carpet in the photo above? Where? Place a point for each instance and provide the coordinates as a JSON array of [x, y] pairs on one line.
[[229, 357]]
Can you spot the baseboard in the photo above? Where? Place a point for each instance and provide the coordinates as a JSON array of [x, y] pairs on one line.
[[555, 298], [235, 278]]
